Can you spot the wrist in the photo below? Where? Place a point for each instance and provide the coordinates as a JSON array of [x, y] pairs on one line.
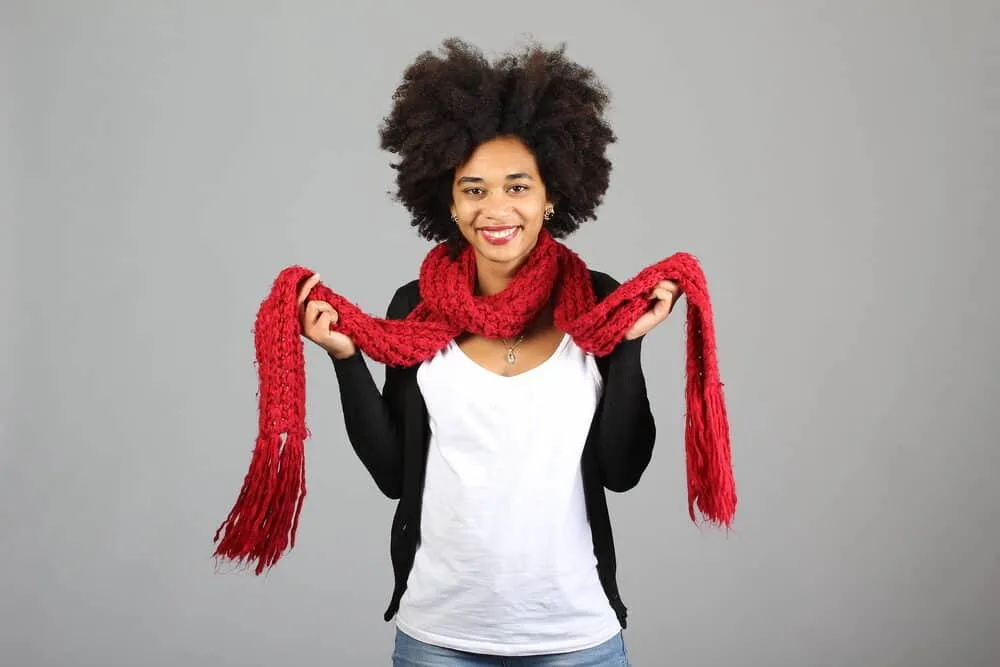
[[342, 355]]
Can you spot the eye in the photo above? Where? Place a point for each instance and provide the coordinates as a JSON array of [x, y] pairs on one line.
[[473, 191], [519, 188]]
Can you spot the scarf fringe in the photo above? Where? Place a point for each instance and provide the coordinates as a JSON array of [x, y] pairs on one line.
[[263, 522]]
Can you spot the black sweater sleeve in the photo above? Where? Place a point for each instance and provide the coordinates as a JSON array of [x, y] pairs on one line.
[[373, 419], [626, 430]]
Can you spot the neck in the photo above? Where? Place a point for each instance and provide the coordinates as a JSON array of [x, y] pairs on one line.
[[494, 277]]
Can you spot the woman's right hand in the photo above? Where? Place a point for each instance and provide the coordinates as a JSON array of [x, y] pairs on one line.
[[316, 318]]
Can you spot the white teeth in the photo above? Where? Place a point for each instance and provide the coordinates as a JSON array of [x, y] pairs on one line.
[[506, 234]]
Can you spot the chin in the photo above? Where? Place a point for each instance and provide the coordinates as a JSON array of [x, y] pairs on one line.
[[504, 244]]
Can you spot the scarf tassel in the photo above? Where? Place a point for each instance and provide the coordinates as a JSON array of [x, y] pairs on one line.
[[265, 518]]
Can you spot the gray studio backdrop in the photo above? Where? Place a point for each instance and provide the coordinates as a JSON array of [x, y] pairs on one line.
[[834, 165]]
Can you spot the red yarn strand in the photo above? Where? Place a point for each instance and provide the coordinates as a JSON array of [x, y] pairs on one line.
[[263, 523]]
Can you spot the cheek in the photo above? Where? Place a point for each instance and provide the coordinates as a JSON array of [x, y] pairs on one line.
[[533, 214], [466, 222]]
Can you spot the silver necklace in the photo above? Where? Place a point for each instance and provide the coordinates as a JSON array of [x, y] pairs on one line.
[[511, 357]]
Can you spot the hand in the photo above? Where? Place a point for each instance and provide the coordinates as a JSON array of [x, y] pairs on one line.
[[316, 318], [664, 296]]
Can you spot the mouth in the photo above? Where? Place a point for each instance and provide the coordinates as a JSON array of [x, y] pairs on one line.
[[499, 235]]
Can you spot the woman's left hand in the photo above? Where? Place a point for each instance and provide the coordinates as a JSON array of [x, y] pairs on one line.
[[664, 296]]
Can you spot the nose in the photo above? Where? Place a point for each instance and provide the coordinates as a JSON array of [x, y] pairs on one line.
[[496, 208]]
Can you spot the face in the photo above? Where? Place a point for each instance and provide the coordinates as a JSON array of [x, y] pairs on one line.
[[499, 201]]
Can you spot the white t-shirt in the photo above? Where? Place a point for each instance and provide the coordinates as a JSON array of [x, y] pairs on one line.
[[506, 562]]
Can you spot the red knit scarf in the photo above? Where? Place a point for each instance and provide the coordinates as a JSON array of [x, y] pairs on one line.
[[264, 520]]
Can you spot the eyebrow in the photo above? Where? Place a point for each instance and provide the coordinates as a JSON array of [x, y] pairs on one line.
[[510, 177]]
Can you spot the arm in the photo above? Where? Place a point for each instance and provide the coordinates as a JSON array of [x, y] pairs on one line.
[[626, 430], [625, 427], [371, 417]]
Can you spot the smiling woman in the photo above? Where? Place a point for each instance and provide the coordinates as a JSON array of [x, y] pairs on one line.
[[502, 542], [514, 394]]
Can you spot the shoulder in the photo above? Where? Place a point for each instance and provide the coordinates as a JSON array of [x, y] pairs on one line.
[[404, 299], [603, 284]]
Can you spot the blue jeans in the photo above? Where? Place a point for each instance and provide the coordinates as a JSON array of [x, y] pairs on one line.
[[410, 652]]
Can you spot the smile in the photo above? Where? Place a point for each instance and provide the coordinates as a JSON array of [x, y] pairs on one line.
[[499, 235]]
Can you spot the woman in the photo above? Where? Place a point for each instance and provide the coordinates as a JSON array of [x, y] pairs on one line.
[[500, 450]]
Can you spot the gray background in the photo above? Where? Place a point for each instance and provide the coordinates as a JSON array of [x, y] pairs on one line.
[[834, 166]]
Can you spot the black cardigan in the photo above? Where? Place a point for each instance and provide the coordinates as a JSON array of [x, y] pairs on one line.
[[389, 432]]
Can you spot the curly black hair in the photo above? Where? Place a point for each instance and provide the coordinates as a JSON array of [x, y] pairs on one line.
[[448, 104]]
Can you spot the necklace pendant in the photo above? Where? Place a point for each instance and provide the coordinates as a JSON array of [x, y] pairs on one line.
[[511, 358]]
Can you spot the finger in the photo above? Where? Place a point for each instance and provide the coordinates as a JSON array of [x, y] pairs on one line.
[[662, 309], [321, 306], [658, 311], [642, 326], [667, 289], [307, 287], [321, 325], [324, 318], [330, 315], [312, 311], [670, 286], [664, 294], [671, 302], [660, 289]]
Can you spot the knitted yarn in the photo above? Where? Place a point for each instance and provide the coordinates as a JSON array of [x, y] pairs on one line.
[[263, 523]]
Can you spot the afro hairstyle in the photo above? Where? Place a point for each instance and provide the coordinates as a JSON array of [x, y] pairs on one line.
[[449, 103]]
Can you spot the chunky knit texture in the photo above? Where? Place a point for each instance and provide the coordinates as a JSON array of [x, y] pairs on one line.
[[263, 523]]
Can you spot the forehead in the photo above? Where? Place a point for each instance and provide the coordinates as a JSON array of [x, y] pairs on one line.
[[498, 158]]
